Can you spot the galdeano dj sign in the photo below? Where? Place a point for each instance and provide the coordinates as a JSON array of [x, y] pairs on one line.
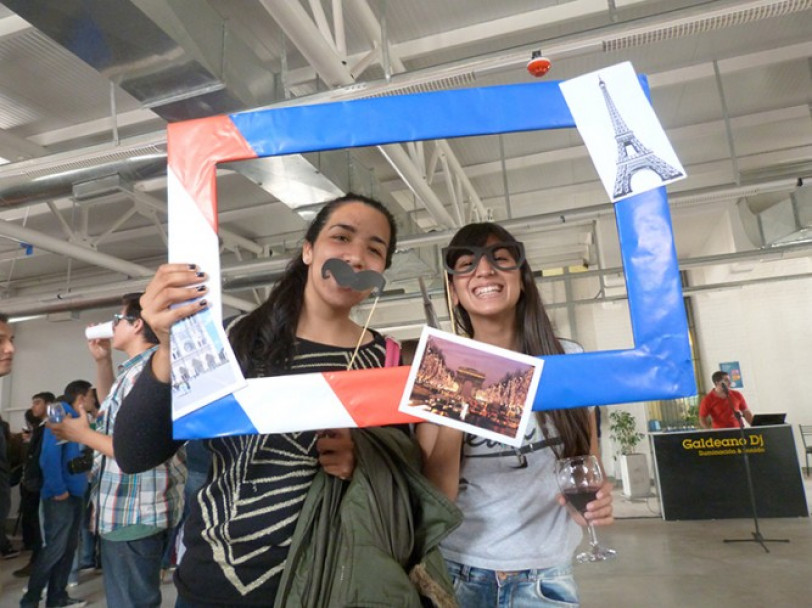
[[715, 446]]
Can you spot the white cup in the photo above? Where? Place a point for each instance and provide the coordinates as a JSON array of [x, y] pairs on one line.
[[99, 332]]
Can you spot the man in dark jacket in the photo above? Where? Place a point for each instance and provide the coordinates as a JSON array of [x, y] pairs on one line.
[[31, 482], [7, 551]]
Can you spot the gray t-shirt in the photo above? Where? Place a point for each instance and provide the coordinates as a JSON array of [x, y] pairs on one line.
[[512, 520]]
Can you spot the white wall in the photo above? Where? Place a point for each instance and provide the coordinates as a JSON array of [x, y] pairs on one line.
[[49, 355]]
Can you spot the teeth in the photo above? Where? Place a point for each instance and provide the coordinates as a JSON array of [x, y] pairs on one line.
[[487, 289]]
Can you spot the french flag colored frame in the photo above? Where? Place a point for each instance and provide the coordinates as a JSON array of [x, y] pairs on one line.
[[658, 367]]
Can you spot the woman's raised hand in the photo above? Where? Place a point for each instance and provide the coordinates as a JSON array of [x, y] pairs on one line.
[[174, 293]]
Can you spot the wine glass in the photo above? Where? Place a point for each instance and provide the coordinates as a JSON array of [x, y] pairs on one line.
[[56, 414], [579, 479]]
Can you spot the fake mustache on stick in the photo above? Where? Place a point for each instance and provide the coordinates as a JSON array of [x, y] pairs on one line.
[[345, 276]]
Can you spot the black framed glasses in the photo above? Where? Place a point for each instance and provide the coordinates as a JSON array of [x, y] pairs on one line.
[[464, 259], [117, 317]]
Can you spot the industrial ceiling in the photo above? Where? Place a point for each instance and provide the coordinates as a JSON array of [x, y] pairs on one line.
[[88, 86]]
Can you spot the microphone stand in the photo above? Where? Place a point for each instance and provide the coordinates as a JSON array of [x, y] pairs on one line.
[[757, 537]]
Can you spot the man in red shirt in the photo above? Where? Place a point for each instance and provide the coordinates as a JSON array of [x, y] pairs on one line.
[[718, 405]]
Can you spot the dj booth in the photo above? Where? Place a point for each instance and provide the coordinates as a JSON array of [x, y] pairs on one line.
[[701, 474]]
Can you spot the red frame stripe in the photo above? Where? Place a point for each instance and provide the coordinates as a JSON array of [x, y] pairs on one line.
[[372, 396], [200, 145]]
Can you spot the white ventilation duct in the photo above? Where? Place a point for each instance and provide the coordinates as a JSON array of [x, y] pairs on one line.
[[789, 221]]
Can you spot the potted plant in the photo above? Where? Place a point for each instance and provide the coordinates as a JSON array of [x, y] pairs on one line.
[[633, 465]]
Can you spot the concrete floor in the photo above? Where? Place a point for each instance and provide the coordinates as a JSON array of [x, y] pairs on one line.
[[659, 564]]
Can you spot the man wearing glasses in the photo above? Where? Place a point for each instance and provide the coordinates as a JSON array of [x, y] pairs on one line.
[[135, 514]]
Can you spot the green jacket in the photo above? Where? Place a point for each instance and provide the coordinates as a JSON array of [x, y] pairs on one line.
[[372, 541]]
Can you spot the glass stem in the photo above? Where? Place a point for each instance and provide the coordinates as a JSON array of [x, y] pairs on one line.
[[593, 539]]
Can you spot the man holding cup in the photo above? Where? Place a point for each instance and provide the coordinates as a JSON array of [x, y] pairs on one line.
[[61, 499], [133, 532]]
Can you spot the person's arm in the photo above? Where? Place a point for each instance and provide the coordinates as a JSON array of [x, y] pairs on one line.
[[705, 421], [441, 447], [143, 437], [748, 415], [101, 351]]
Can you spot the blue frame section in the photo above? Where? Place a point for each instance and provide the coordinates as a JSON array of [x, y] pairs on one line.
[[658, 367]]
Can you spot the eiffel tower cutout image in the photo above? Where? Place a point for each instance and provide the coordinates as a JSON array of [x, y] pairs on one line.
[[632, 155]]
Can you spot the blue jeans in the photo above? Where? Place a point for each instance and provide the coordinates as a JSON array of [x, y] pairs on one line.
[[481, 588], [87, 554], [132, 571], [60, 522]]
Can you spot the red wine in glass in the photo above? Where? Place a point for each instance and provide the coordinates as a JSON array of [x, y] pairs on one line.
[[580, 497]]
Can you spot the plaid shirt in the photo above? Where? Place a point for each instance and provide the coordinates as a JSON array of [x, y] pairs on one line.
[[153, 498]]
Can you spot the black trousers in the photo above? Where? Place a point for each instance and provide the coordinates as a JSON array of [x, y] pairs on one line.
[[29, 520]]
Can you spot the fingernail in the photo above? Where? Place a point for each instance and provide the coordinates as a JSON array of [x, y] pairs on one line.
[[202, 288], [202, 303], [200, 273], [192, 266]]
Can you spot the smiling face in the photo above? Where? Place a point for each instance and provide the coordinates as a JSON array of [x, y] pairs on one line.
[[6, 348], [488, 293], [359, 235]]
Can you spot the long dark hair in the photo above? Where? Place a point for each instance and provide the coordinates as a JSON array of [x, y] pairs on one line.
[[264, 338], [535, 332]]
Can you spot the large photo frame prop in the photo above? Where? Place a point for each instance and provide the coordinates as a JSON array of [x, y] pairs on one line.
[[659, 365]]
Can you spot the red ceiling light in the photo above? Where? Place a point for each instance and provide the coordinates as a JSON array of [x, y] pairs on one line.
[[538, 65]]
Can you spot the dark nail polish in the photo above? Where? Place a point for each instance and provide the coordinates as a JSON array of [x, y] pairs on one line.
[[192, 266], [201, 274], [202, 303], [202, 288]]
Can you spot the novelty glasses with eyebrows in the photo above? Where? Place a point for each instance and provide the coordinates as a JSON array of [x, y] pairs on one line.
[[463, 259]]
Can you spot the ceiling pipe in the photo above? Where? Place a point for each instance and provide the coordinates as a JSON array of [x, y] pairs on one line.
[[298, 26], [372, 28], [90, 256], [267, 271], [411, 176], [71, 250], [52, 177]]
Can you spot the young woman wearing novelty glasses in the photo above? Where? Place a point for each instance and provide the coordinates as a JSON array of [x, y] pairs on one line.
[[517, 538]]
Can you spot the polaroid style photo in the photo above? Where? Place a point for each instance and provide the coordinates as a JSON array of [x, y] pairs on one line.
[[628, 145], [471, 386]]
